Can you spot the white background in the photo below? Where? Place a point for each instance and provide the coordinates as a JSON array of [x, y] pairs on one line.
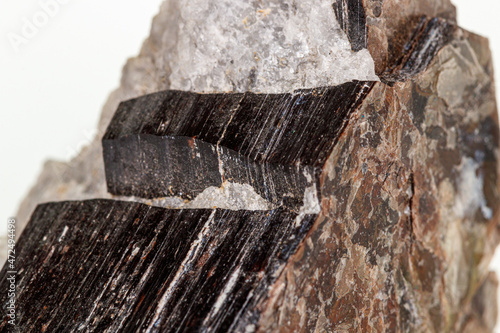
[[52, 89]]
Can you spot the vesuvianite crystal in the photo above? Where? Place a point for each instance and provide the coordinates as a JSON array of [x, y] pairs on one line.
[[128, 267], [320, 167], [178, 143]]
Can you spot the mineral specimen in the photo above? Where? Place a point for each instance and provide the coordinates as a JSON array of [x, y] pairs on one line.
[[409, 217], [166, 62], [273, 142], [360, 186], [127, 267]]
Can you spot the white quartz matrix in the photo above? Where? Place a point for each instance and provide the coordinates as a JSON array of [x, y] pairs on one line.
[[266, 46]]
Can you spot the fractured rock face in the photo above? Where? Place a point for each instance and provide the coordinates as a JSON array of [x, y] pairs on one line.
[[390, 24], [409, 214], [374, 204]]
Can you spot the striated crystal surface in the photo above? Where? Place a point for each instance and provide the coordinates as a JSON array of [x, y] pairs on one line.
[[128, 267], [174, 143]]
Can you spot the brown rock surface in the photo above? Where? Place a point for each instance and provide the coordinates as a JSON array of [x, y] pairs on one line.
[[390, 24], [409, 215]]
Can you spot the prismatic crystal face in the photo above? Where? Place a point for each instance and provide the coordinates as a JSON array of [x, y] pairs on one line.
[[310, 167]]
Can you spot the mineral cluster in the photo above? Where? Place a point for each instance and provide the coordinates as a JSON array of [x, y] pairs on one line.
[[278, 167]]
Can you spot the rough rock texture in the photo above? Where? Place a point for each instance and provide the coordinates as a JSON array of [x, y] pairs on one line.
[[409, 198], [267, 46], [409, 205], [409, 216], [391, 23]]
